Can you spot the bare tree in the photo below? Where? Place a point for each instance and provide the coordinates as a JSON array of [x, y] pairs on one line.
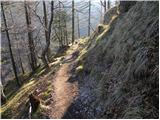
[[66, 33], [16, 38], [72, 21], [89, 18], [9, 46], [47, 32], [20, 60], [62, 25], [31, 46], [59, 25], [108, 4], [78, 25], [104, 5]]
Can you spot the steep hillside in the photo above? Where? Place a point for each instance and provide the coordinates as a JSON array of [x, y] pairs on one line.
[[114, 73], [117, 71]]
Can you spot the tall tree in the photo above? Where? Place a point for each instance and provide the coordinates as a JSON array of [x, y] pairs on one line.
[[78, 25], [20, 60], [30, 38], [108, 4], [63, 25], [101, 17], [72, 21], [59, 24], [16, 38], [66, 33], [9, 46], [104, 5], [47, 32], [89, 18]]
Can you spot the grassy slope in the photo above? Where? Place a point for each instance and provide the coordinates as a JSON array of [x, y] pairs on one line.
[[117, 70], [120, 66], [39, 84]]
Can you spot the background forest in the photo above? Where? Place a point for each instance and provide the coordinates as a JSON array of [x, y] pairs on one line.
[[87, 14], [80, 59]]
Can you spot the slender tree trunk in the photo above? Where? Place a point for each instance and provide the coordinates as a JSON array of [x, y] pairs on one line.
[[47, 54], [20, 60], [66, 36], [23, 44], [47, 32], [89, 19], [30, 39], [62, 40], [62, 34], [104, 6], [9, 45], [59, 25], [65, 27], [109, 4], [101, 18], [72, 21], [78, 25], [60, 29], [44, 59], [15, 36], [50, 23]]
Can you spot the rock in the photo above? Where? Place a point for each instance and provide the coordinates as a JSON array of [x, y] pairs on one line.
[[100, 28]]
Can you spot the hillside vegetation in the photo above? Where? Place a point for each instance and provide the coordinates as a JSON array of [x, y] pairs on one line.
[[114, 73], [119, 77]]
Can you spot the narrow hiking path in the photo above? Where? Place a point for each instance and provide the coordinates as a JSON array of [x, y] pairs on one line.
[[64, 91]]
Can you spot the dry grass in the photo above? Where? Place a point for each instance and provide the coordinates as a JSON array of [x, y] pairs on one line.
[[122, 64]]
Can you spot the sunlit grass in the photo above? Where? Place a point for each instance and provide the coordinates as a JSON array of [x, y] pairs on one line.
[[79, 68], [21, 94], [106, 28]]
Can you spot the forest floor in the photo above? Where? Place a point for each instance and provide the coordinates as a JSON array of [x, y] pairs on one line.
[[64, 91], [52, 87]]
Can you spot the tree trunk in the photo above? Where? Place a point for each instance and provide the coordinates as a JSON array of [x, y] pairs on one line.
[[47, 32], [104, 6], [15, 36], [9, 45], [72, 21], [30, 39], [66, 36], [101, 18], [89, 19], [59, 26], [78, 25], [109, 5], [49, 28], [23, 45], [20, 60], [44, 59]]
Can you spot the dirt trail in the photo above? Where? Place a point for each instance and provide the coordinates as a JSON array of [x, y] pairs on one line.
[[64, 91]]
